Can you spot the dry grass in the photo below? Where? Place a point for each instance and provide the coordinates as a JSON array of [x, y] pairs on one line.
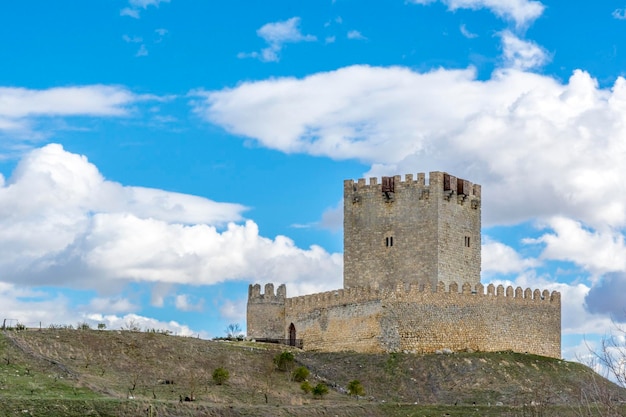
[[157, 370]]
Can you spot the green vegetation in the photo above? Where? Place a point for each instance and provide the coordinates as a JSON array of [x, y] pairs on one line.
[[356, 388], [306, 387], [300, 374], [320, 390], [284, 361], [220, 376]]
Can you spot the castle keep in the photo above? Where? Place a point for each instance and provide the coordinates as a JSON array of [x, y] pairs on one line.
[[411, 281]]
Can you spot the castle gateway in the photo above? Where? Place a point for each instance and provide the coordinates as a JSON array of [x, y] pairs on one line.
[[411, 281]]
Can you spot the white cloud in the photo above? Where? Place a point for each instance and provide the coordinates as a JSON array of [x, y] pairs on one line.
[[61, 222], [355, 35], [498, 258], [596, 251], [145, 3], [276, 34], [607, 296], [465, 32], [234, 311], [619, 14], [136, 6], [21, 109], [142, 51], [132, 39], [521, 54], [35, 308], [551, 148], [115, 322], [522, 12], [107, 305], [130, 12], [332, 218], [98, 100], [186, 302]]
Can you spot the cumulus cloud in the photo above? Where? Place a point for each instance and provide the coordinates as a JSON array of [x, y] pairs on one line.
[[276, 35], [540, 147], [597, 251], [522, 12], [110, 305], [607, 296], [62, 222], [498, 258], [521, 54], [332, 218], [141, 322], [234, 310], [186, 302]]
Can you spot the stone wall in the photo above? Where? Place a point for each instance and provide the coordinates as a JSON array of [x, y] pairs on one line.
[[415, 318], [417, 233], [521, 321]]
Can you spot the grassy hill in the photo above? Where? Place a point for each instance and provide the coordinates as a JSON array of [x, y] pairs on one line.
[[125, 373]]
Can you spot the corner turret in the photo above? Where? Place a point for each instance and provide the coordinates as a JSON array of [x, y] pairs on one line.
[[266, 312]]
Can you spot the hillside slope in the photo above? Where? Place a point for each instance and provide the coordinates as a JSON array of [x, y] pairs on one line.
[[99, 370]]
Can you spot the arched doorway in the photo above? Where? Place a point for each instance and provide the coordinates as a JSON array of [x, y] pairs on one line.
[[292, 335]]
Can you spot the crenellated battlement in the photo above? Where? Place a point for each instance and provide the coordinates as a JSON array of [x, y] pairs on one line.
[[416, 292], [437, 181], [255, 295]]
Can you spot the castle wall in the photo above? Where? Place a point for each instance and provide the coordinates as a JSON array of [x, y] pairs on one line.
[[426, 322], [419, 320], [349, 327], [415, 233]]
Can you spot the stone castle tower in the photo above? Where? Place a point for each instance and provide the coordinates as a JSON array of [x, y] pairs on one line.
[[411, 231], [411, 281]]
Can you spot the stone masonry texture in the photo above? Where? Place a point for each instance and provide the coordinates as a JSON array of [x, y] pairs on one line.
[[411, 281]]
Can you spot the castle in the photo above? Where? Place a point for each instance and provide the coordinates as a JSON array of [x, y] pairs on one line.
[[411, 281]]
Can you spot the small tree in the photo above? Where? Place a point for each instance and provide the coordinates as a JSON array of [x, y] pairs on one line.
[[284, 361], [233, 331], [320, 390], [102, 326], [611, 355], [300, 374], [131, 325], [306, 387], [356, 388], [220, 376]]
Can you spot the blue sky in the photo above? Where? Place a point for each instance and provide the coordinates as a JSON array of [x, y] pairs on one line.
[[158, 156]]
